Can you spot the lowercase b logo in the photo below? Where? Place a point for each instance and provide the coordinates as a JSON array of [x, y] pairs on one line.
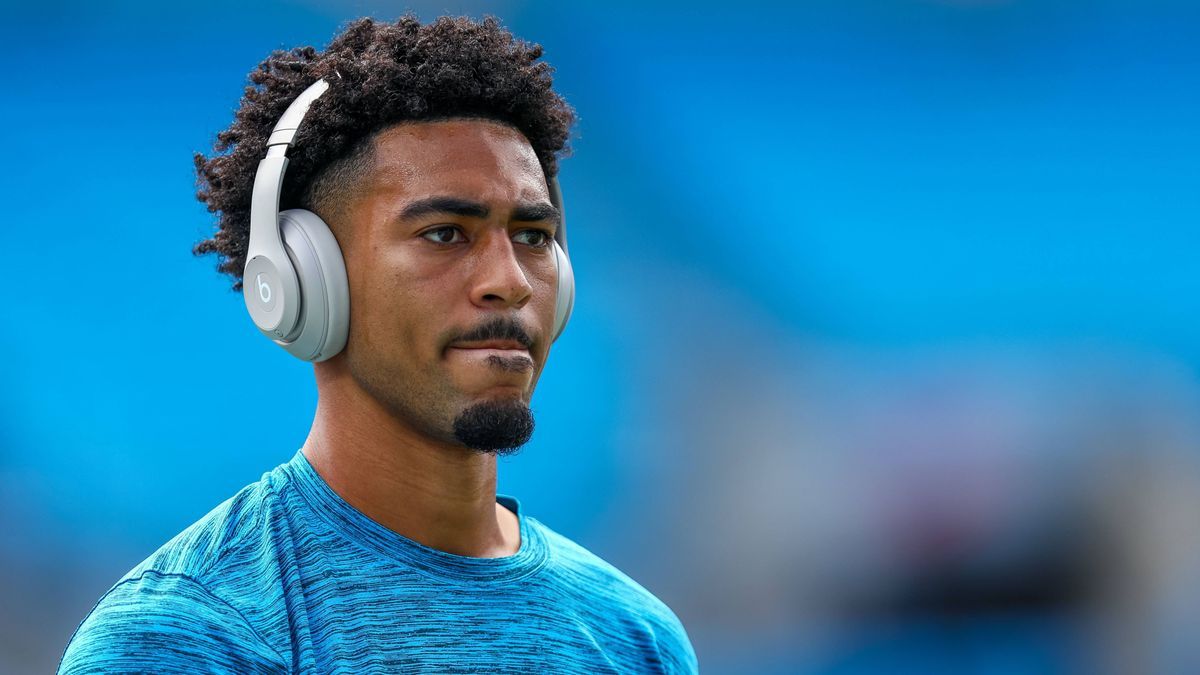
[[264, 289]]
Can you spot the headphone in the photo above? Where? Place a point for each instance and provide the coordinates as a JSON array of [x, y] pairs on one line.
[[294, 282]]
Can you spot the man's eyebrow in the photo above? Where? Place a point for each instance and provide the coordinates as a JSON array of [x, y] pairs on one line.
[[472, 209], [436, 205], [533, 212]]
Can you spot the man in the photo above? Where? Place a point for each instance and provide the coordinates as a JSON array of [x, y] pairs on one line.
[[382, 544]]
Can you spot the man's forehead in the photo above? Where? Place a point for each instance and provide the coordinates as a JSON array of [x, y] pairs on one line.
[[411, 150]]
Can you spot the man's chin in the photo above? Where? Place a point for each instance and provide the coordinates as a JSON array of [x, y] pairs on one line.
[[497, 426]]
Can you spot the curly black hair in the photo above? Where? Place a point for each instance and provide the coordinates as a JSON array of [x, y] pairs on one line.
[[380, 74]]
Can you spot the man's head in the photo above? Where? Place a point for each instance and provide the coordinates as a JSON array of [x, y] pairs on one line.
[[428, 159]]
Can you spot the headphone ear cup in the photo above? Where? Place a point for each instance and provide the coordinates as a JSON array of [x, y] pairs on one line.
[[324, 290], [565, 301]]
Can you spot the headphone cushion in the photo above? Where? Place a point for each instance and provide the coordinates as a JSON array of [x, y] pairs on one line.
[[565, 301], [324, 289]]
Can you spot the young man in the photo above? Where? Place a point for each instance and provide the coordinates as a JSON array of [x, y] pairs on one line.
[[429, 152]]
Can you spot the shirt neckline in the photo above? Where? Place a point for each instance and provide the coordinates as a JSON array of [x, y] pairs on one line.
[[360, 529]]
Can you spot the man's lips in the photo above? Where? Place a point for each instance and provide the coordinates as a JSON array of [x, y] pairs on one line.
[[503, 354]]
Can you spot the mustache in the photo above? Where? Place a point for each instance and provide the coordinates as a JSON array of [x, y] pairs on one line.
[[498, 328]]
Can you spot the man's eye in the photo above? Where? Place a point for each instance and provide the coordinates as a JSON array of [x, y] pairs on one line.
[[541, 239], [442, 235]]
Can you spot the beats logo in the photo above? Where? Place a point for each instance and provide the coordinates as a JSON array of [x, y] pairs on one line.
[[264, 292]]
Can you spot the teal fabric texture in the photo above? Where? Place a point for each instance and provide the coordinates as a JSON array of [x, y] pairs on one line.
[[285, 576]]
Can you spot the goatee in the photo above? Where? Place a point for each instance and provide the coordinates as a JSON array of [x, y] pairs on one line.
[[496, 427]]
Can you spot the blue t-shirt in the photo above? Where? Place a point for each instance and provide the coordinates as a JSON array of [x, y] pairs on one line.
[[287, 577]]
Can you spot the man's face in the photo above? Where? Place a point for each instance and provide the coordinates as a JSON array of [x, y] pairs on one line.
[[448, 252]]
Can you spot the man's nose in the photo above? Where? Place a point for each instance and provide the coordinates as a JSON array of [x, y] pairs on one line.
[[499, 280]]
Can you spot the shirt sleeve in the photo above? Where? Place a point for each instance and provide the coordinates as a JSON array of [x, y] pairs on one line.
[[675, 648], [167, 623]]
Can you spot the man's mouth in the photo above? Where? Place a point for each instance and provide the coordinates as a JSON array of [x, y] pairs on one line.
[[503, 354]]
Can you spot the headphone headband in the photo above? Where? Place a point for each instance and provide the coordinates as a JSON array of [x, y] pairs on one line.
[[285, 129], [268, 180]]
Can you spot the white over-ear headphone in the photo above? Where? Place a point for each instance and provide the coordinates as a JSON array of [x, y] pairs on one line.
[[294, 282]]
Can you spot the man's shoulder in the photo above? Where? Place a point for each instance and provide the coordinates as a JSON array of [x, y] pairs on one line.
[[594, 572], [178, 604], [159, 622], [233, 529], [607, 586]]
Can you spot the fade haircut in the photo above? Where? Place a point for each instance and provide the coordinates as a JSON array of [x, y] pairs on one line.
[[380, 74]]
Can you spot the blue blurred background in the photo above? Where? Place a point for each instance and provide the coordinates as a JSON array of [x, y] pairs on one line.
[[884, 357]]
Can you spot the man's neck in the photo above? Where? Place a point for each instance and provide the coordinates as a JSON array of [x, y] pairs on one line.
[[440, 495]]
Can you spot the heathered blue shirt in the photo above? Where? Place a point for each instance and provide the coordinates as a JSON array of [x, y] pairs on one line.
[[287, 577]]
